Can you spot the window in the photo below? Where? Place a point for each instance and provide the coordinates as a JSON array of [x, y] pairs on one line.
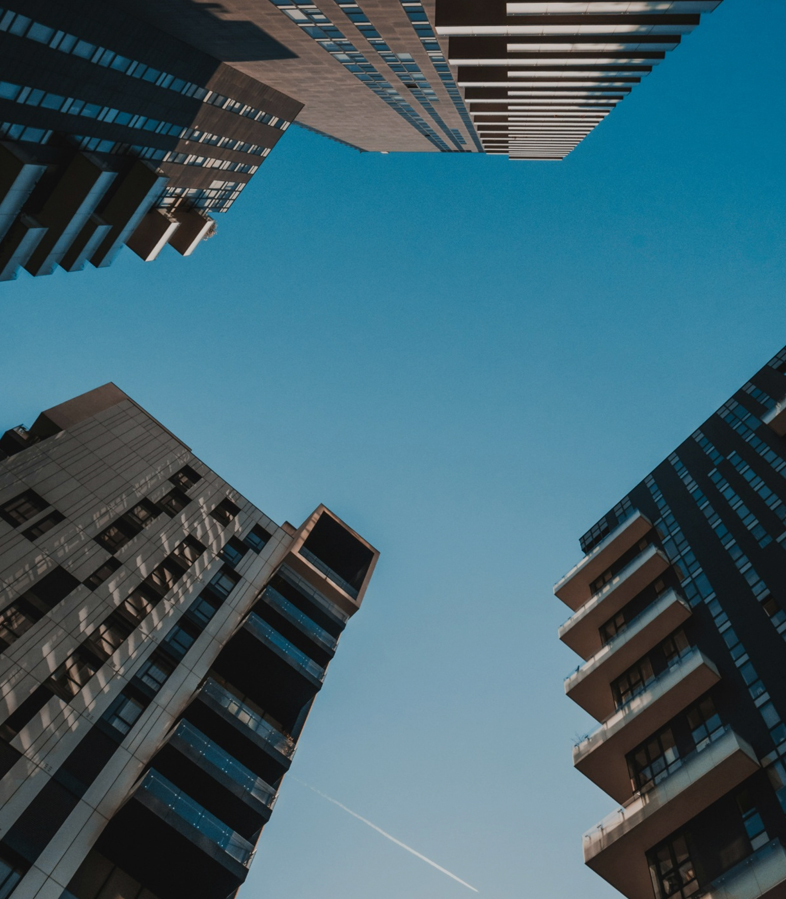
[[101, 574], [22, 508], [143, 513], [202, 610], [704, 722], [751, 819], [672, 870], [611, 628], [233, 551], [224, 582], [73, 674], [188, 551], [675, 647], [164, 577], [174, 501], [15, 620], [154, 673], [185, 478], [9, 878], [43, 525], [140, 603], [654, 760], [256, 538], [633, 682], [225, 511], [110, 635], [179, 641], [115, 537], [124, 713]]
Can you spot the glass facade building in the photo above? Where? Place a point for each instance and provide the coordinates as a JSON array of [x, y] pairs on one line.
[[678, 610]]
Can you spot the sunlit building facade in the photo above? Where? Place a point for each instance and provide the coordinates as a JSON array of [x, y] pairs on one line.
[[679, 613], [161, 644]]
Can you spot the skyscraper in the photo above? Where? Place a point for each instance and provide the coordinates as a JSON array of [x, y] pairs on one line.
[[130, 123], [679, 612], [162, 644]]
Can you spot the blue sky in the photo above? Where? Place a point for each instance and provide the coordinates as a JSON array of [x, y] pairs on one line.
[[470, 360]]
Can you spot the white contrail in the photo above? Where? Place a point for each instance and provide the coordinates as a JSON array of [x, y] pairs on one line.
[[387, 835]]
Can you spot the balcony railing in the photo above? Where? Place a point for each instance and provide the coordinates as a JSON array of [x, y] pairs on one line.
[[573, 589], [600, 755], [758, 876], [199, 818], [251, 719], [328, 572], [218, 758], [580, 631], [293, 655], [588, 685], [693, 766], [293, 614]]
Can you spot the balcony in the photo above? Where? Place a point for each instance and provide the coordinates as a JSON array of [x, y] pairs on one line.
[[760, 876], [601, 755], [581, 631], [776, 418], [216, 779], [285, 650], [328, 572], [294, 615], [588, 686], [574, 588], [178, 846], [616, 848]]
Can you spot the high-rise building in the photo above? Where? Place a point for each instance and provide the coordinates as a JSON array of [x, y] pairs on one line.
[[679, 613], [162, 642], [128, 123]]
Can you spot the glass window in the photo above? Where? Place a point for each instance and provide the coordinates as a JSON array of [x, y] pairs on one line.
[[203, 610], [43, 525], [654, 760], [73, 674], [9, 878], [751, 819], [143, 513], [109, 636], [188, 551], [633, 682], [185, 478], [155, 672], [672, 870], [124, 713], [233, 551], [102, 573], [174, 502], [22, 508], [115, 537], [611, 628], [224, 582], [179, 641], [140, 603], [225, 512], [704, 722], [675, 647], [15, 620], [256, 538]]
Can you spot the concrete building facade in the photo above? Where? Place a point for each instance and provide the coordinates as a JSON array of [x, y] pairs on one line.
[[678, 611], [162, 644]]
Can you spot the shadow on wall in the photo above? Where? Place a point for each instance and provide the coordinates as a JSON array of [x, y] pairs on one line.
[[202, 25]]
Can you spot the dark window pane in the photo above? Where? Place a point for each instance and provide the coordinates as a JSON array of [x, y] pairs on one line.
[[22, 508], [43, 525]]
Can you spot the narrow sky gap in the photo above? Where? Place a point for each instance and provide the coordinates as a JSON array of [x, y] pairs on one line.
[[387, 835]]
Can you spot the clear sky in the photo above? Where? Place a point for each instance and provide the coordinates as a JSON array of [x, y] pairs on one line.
[[470, 360]]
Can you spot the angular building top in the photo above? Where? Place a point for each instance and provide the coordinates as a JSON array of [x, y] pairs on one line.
[[162, 642]]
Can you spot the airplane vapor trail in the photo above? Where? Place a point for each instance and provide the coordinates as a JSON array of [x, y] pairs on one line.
[[387, 835]]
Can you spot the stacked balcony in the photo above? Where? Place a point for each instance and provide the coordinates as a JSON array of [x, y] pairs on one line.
[[617, 847]]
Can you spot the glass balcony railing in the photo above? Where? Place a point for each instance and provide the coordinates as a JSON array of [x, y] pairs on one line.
[[641, 697], [199, 818], [251, 719], [292, 613], [328, 572], [216, 757], [295, 656]]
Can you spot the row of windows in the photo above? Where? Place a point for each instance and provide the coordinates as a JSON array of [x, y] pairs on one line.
[[22, 26], [58, 103], [747, 517], [741, 659], [319, 27], [25, 507], [218, 197], [128, 707]]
